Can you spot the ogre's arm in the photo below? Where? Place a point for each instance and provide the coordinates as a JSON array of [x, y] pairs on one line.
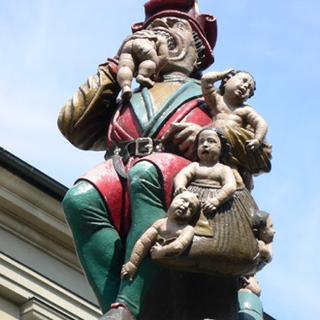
[[84, 119]]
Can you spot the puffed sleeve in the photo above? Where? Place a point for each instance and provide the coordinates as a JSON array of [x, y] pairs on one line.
[[84, 118]]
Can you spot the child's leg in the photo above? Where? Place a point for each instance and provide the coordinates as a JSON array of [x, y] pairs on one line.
[[125, 74], [146, 70]]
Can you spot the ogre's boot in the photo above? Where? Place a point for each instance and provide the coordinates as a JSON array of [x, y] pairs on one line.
[[118, 312]]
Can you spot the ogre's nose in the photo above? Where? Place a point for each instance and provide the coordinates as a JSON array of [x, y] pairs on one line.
[[159, 23]]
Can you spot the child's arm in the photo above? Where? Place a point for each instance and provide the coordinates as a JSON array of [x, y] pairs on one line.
[[176, 247], [140, 250], [209, 91], [184, 178], [229, 186], [259, 125]]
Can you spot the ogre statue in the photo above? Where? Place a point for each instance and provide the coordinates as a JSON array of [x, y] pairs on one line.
[[149, 135]]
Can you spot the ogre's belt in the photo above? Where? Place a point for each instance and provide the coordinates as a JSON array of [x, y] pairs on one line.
[[140, 147]]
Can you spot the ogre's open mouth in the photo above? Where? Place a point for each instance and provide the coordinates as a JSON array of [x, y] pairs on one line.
[[176, 43], [172, 44]]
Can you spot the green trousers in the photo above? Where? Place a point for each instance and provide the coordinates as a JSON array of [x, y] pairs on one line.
[[99, 247]]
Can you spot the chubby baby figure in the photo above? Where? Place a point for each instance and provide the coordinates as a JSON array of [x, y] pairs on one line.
[[242, 125], [209, 170], [167, 237], [144, 54]]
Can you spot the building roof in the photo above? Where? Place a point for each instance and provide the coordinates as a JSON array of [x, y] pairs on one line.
[[32, 175]]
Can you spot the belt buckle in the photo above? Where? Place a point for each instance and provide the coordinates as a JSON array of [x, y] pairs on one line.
[[146, 143]]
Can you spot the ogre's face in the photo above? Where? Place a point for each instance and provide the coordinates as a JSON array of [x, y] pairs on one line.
[[182, 54]]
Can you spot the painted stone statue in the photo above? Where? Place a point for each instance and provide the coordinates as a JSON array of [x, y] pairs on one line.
[[147, 49], [245, 129], [150, 135], [167, 237]]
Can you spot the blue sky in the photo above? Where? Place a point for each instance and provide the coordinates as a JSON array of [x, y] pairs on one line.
[[48, 48]]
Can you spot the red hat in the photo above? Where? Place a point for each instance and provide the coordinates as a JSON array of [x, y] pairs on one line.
[[204, 25]]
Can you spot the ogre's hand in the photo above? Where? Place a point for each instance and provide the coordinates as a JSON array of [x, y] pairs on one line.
[[160, 45], [143, 34], [128, 270], [183, 135]]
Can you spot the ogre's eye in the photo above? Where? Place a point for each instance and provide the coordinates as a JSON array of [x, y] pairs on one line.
[[180, 25]]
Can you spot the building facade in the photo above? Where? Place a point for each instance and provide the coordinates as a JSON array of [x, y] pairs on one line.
[[40, 276]]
